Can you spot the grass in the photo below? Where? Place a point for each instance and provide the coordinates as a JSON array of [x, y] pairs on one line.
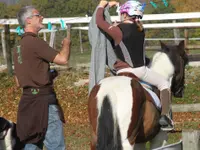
[[192, 86], [74, 103], [2, 60], [79, 138], [79, 58], [194, 51]]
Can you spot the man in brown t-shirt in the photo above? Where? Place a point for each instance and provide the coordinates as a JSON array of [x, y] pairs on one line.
[[39, 115]]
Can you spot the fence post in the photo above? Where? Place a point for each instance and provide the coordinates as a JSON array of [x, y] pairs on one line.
[[3, 42], [191, 139], [44, 36], [8, 48], [52, 37], [80, 38], [186, 40], [176, 34]]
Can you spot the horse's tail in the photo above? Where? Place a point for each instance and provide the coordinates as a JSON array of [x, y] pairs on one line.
[[108, 135]]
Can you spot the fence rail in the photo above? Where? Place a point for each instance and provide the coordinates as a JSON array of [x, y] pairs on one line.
[[155, 48], [78, 20], [172, 24], [186, 107]]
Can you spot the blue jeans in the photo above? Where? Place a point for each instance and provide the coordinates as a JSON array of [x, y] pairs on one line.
[[54, 138]]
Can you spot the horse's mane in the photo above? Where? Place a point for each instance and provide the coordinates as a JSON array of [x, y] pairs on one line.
[[162, 64]]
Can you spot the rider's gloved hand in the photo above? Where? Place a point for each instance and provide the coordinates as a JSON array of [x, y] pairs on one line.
[[120, 65]]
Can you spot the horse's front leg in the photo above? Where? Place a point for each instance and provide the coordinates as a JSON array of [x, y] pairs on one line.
[[92, 146], [93, 141]]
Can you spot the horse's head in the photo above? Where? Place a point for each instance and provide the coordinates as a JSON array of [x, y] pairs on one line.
[[179, 59]]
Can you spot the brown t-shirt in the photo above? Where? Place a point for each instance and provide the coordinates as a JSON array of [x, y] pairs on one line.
[[31, 61]]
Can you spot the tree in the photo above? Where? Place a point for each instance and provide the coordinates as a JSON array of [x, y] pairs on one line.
[[3, 10], [12, 10], [186, 5], [40, 5], [24, 2]]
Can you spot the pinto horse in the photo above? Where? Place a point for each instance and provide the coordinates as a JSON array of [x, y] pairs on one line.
[[122, 112]]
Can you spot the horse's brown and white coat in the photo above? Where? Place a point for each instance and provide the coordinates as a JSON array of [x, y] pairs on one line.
[[120, 95], [122, 105]]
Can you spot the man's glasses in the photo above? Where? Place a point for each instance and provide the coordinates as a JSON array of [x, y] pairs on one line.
[[37, 15]]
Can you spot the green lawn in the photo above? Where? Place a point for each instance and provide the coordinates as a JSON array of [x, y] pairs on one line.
[[77, 57], [74, 103], [192, 86], [2, 60]]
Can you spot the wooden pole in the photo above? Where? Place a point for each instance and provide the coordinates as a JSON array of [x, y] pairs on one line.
[[44, 36], [54, 45], [8, 48], [80, 37], [3, 42], [52, 37], [69, 31], [176, 34], [186, 40], [69, 37], [191, 139]]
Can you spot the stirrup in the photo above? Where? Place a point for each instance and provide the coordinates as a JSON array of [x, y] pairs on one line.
[[167, 128], [166, 123]]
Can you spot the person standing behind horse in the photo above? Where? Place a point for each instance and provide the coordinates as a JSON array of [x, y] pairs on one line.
[[129, 37], [39, 118]]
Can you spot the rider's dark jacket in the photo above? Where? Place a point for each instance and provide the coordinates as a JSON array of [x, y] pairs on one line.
[[127, 38]]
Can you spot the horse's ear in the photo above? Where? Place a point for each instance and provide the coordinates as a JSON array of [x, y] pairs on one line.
[[181, 46], [164, 47], [181, 51]]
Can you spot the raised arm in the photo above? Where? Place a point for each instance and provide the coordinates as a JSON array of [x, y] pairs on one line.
[[63, 57], [111, 30]]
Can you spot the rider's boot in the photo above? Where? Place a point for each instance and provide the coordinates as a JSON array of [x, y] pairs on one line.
[[165, 121]]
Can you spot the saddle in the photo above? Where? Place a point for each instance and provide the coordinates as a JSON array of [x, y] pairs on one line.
[[145, 85]]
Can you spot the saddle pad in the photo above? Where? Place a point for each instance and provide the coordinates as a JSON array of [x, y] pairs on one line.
[[154, 96]]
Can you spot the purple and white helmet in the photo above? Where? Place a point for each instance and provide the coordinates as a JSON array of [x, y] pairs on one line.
[[132, 8]]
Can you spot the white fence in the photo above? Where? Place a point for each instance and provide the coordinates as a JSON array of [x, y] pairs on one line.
[[190, 141], [147, 17], [175, 21]]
